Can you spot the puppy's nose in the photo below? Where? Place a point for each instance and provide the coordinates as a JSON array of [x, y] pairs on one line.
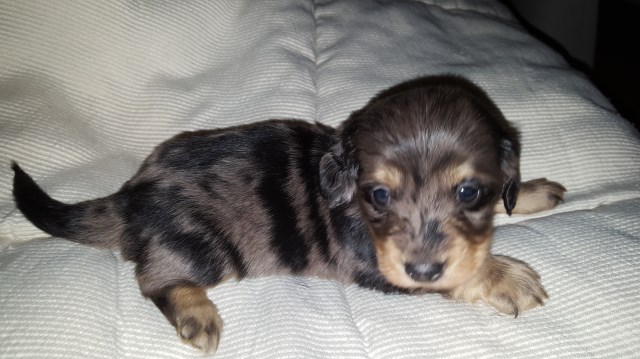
[[424, 272]]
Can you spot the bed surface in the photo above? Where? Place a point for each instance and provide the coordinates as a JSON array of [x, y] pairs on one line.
[[87, 89]]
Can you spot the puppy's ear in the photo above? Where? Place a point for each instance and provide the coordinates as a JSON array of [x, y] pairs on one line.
[[338, 176], [510, 166]]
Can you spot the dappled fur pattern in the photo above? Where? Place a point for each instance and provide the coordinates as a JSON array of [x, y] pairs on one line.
[[399, 198]]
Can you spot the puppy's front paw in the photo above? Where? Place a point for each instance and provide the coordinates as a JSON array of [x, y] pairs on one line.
[[535, 196], [200, 326], [506, 283], [538, 195]]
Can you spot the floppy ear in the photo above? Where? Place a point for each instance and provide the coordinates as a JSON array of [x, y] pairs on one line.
[[510, 166], [338, 175]]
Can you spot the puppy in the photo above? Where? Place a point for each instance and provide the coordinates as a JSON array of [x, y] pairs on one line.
[[399, 198]]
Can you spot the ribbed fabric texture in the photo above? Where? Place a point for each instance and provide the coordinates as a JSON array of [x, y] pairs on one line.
[[88, 88]]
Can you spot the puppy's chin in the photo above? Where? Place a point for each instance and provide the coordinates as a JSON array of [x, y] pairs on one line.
[[462, 260]]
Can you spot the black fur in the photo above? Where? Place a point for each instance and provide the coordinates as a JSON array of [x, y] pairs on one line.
[[51, 216], [273, 160], [307, 162]]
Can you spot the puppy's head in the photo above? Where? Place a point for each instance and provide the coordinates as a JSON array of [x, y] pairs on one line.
[[426, 160]]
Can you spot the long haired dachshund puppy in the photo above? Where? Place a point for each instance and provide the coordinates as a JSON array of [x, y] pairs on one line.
[[399, 198]]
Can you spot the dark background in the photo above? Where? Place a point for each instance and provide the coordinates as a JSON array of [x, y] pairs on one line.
[[599, 37]]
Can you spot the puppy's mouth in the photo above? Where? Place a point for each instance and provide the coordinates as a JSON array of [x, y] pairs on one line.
[[459, 263]]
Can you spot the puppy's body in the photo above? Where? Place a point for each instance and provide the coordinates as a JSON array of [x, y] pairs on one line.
[[400, 198], [209, 205]]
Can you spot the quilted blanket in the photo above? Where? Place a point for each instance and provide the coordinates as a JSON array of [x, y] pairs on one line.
[[88, 88]]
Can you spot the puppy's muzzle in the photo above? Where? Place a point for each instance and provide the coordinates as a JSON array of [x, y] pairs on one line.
[[424, 272]]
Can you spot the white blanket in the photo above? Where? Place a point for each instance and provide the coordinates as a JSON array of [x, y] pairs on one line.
[[88, 88]]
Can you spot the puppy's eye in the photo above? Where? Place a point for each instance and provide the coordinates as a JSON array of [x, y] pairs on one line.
[[468, 192], [380, 196]]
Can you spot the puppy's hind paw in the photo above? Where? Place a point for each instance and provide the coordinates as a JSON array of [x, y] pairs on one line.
[[200, 326], [506, 283], [194, 316]]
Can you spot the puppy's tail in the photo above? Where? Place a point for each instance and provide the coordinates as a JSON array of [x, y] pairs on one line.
[[93, 222]]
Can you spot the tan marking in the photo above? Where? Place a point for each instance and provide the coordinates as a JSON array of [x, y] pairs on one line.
[[507, 284], [185, 297], [463, 259], [388, 175], [391, 264], [197, 320], [459, 173], [535, 196]]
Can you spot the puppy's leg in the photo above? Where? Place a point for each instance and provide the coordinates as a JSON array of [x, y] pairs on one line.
[[535, 196], [506, 283], [194, 316]]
